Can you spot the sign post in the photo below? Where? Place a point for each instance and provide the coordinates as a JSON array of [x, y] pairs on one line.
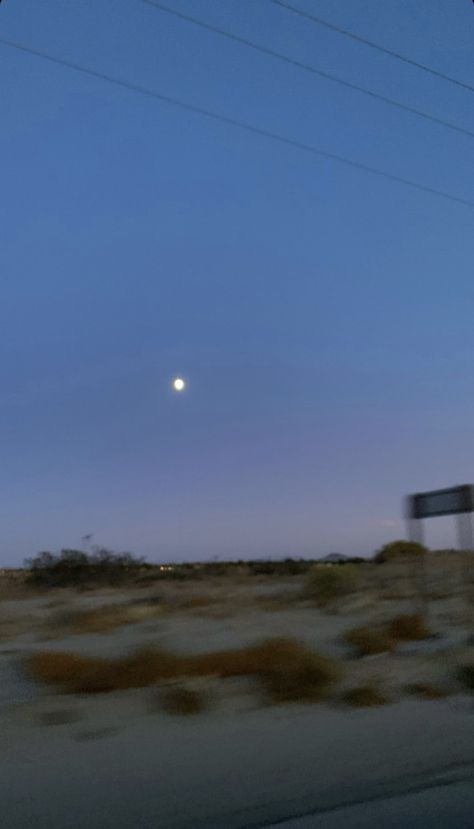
[[458, 501]]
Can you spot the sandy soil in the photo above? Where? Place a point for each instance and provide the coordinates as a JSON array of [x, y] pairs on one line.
[[120, 760]]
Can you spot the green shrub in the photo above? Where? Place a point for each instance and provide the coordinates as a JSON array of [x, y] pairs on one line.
[[399, 550], [332, 581]]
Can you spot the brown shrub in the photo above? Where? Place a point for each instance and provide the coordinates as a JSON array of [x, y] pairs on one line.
[[287, 669], [368, 641], [466, 675], [105, 618], [84, 674], [427, 690], [409, 627], [364, 696], [183, 701], [306, 682], [102, 620], [197, 602]]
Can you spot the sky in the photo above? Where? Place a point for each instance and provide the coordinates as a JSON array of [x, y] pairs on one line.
[[322, 317]]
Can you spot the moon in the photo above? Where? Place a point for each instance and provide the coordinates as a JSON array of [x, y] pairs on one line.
[[179, 384]]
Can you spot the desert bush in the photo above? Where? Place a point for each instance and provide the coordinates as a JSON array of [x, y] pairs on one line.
[[307, 681], [405, 550], [364, 696], [85, 674], [329, 582], [76, 568], [197, 602], [183, 701], [286, 669], [409, 626], [105, 618], [465, 674], [368, 641], [427, 690]]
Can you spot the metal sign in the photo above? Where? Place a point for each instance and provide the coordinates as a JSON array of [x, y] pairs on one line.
[[453, 501]]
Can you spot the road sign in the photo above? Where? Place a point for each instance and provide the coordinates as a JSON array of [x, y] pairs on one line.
[[453, 501]]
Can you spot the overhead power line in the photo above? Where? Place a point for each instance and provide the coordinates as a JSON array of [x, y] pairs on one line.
[[233, 122], [320, 21], [305, 66]]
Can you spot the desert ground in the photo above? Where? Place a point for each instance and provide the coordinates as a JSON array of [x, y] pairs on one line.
[[240, 700]]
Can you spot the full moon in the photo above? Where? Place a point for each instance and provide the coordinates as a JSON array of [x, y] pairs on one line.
[[179, 384]]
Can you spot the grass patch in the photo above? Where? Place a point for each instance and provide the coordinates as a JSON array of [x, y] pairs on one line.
[[369, 641], [409, 627], [364, 696], [287, 670]]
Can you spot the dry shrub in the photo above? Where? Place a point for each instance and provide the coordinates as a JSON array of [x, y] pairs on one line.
[[368, 641], [364, 696], [183, 701], [85, 674], [427, 690], [286, 669], [305, 682], [197, 602], [331, 582], [106, 618], [63, 669], [466, 675], [410, 627], [102, 620], [61, 716]]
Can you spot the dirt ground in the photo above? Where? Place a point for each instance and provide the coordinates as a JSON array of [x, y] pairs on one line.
[[242, 756]]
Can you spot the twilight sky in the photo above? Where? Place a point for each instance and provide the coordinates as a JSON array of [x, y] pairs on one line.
[[322, 317]]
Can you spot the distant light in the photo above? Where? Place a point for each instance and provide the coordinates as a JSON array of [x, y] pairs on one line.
[[179, 384]]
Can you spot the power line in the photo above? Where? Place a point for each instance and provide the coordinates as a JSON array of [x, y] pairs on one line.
[[305, 66], [347, 33], [234, 122]]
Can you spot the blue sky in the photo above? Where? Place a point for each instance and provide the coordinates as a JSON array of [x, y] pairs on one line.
[[322, 317]]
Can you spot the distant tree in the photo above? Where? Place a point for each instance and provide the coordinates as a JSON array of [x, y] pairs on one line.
[[77, 568]]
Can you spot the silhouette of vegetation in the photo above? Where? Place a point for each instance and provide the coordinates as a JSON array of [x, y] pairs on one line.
[[75, 568]]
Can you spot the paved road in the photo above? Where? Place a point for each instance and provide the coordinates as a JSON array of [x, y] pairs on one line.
[[119, 765], [440, 807]]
